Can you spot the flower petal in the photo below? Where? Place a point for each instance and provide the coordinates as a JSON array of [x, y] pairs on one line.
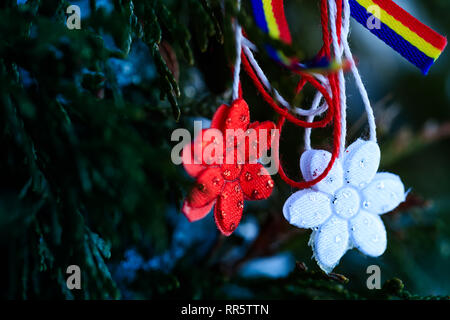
[[194, 214], [208, 186], [231, 167], [228, 210], [368, 234], [290, 201], [256, 182], [255, 149], [238, 116], [361, 162], [231, 171], [314, 162], [307, 208], [330, 242], [218, 120], [384, 193]]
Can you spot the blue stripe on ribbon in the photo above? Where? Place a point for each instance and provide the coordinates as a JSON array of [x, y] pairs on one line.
[[273, 53], [392, 39], [260, 17]]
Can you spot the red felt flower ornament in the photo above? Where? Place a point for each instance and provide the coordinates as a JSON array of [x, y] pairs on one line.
[[226, 180]]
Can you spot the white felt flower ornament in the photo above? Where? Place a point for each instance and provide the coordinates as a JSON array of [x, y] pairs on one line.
[[343, 209]]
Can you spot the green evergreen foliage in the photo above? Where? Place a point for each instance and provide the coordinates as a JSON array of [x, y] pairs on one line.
[[86, 176]]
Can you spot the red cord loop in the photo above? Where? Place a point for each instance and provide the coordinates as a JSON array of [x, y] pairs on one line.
[[333, 102], [285, 112]]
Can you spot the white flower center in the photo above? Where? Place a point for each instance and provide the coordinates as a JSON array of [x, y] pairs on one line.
[[346, 202]]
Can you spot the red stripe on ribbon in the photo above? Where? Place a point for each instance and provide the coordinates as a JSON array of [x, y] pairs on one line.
[[278, 12]]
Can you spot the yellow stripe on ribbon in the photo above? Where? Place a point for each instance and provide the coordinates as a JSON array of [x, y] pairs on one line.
[[402, 30], [274, 32]]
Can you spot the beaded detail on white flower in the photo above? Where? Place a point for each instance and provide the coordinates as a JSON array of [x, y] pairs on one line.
[[343, 209]]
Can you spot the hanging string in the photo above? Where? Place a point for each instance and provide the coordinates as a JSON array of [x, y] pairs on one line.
[[344, 48], [336, 33], [237, 64], [330, 88], [315, 105], [284, 111], [338, 21], [278, 97], [335, 107], [356, 75], [330, 95]]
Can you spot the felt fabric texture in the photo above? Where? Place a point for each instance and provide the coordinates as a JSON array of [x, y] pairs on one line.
[[343, 209], [228, 210], [224, 182]]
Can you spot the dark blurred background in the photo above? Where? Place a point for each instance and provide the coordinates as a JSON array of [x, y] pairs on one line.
[[86, 177]]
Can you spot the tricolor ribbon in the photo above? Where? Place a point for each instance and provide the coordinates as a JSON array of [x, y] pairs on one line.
[[270, 18], [415, 41]]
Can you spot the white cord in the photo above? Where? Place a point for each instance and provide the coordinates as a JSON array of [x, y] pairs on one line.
[[248, 43], [338, 51], [278, 97], [315, 105], [356, 75], [344, 50], [315, 109], [237, 64]]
